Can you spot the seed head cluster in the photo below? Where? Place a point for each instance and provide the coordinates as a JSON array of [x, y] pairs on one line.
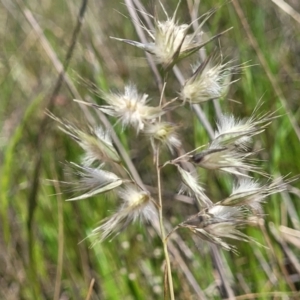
[[230, 151]]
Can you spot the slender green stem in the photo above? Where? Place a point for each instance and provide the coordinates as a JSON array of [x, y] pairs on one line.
[[162, 228]]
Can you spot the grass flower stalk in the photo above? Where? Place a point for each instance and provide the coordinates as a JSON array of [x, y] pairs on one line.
[[162, 226], [160, 208]]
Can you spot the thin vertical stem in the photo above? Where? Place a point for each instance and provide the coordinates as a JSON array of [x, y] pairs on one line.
[[162, 228], [160, 206]]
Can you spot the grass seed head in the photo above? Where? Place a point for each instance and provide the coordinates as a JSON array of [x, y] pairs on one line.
[[209, 81], [96, 142], [136, 205], [249, 193], [170, 41], [130, 108], [226, 159], [93, 181], [163, 132], [191, 186], [218, 222]]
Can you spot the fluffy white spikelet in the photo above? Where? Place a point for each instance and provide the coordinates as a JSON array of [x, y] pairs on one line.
[[232, 132], [136, 205], [130, 108], [93, 181], [170, 41], [96, 142], [250, 193], [163, 132], [218, 222], [207, 82], [191, 185], [226, 159]]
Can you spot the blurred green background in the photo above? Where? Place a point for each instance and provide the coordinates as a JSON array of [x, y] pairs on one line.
[[44, 253]]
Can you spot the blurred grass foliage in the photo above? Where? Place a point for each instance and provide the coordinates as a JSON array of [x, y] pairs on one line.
[[44, 253]]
